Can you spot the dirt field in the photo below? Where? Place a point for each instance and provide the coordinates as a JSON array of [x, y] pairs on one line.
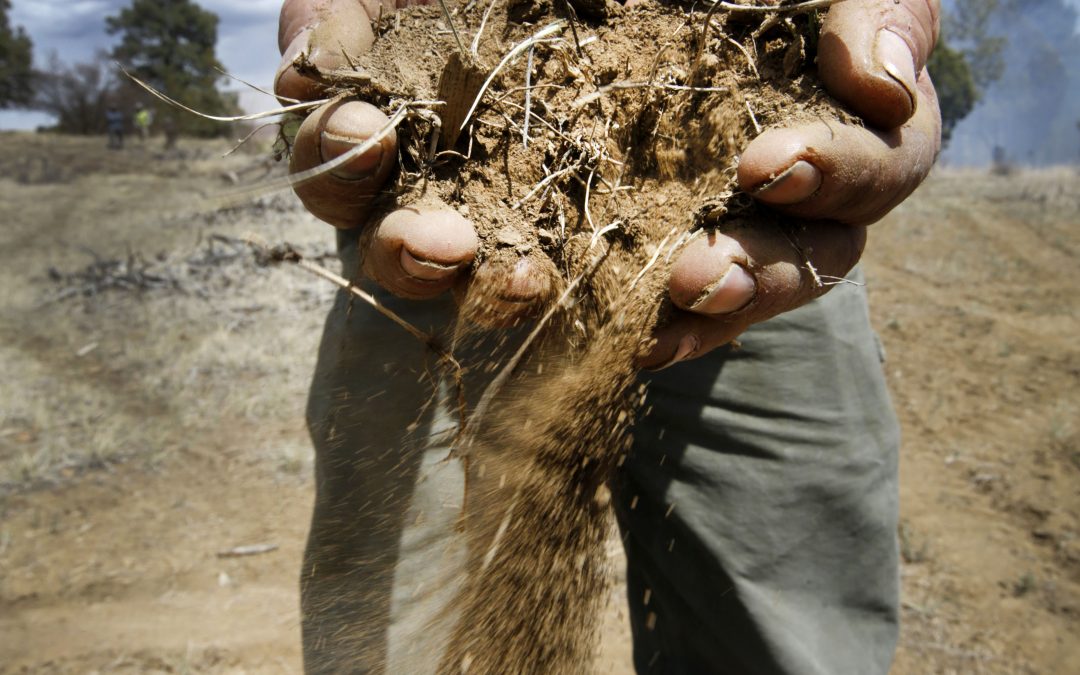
[[152, 415]]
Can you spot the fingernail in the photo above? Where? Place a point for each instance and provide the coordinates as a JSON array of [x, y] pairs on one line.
[[801, 180], [358, 168], [731, 293], [425, 269], [894, 55], [688, 346]]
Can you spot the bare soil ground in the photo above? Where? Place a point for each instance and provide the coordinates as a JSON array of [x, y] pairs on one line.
[[152, 415]]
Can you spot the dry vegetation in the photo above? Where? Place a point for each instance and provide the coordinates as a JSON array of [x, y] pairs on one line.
[[149, 425]]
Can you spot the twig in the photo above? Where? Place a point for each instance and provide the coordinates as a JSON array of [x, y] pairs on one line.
[[286, 253], [797, 8], [503, 526], [613, 225], [589, 98], [588, 190], [649, 265], [753, 117], [247, 138], [749, 59], [572, 15], [244, 551], [528, 97], [543, 183]]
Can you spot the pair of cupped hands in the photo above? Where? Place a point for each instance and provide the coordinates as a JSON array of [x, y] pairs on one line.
[[871, 56]]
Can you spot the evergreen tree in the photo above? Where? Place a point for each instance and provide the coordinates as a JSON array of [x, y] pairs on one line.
[[968, 59], [16, 63], [170, 46], [955, 84]]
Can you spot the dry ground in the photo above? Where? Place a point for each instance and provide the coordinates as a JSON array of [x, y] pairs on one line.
[[146, 428]]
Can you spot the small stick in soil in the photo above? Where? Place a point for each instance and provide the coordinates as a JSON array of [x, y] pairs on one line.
[[528, 98], [797, 8], [749, 59], [753, 117], [286, 253], [480, 30], [245, 551], [453, 29]]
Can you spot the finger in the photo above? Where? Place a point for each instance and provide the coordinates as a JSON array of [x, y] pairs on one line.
[[327, 32], [722, 283], [419, 252], [508, 289], [870, 54], [342, 196], [842, 172]]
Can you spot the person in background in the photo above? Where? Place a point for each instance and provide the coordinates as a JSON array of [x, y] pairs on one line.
[[142, 121], [114, 126]]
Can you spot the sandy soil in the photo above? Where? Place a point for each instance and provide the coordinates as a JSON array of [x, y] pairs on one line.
[[148, 428]]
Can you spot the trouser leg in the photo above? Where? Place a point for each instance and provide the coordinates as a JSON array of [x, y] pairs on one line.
[[759, 504], [381, 561]]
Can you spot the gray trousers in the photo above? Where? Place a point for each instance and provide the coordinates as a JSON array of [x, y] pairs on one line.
[[758, 506]]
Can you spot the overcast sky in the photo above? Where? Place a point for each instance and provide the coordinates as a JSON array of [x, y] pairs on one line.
[[75, 29]]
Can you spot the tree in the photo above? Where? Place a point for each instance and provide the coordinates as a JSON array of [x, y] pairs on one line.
[[968, 59], [955, 84], [1030, 111], [969, 26], [170, 46], [16, 61], [77, 94]]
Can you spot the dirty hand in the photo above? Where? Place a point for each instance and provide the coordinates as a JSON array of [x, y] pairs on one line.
[[414, 252], [871, 56]]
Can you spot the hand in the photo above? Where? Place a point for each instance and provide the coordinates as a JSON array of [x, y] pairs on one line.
[[871, 56], [412, 252]]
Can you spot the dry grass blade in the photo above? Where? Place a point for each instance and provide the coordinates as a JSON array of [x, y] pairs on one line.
[[256, 87], [480, 30], [616, 86], [326, 167], [453, 28], [308, 105], [808, 6]]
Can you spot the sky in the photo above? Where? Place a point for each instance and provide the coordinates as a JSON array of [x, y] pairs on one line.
[[75, 29]]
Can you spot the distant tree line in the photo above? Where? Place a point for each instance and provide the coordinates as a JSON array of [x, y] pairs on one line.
[[168, 45]]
